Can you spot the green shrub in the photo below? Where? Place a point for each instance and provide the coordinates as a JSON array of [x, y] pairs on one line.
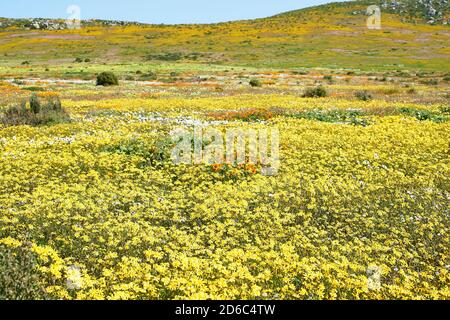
[[328, 78], [87, 60], [151, 153], [300, 73], [317, 92], [34, 89], [149, 76], [37, 113], [18, 82], [19, 277], [255, 83], [170, 56], [79, 60], [446, 78], [363, 96], [333, 116], [412, 90], [107, 79], [445, 109], [430, 82], [35, 104], [53, 104], [424, 115]]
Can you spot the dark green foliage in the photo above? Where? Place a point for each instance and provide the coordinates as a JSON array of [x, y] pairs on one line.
[[149, 76], [425, 115], [445, 110], [328, 78], [170, 56], [34, 89], [79, 60], [301, 73], [363, 96], [35, 104], [37, 114], [255, 83], [151, 153], [333, 116], [19, 277], [317, 92], [107, 79], [18, 82], [430, 82]]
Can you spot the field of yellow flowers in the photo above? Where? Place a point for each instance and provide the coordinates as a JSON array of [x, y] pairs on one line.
[[94, 208]]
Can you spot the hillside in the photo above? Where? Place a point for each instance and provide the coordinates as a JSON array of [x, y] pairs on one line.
[[327, 36]]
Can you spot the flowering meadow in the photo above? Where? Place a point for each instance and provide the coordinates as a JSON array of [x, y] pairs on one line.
[[93, 205], [99, 210]]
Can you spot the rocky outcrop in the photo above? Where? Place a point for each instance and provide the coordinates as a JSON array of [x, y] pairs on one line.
[[432, 11], [56, 24]]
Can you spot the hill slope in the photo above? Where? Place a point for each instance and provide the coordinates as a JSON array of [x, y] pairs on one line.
[[329, 36]]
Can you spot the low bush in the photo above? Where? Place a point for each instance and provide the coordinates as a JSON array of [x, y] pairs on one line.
[[424, 115], [35, 89], [317, 92], [363, 96], [329, 79], [333, 116], [19, 277], [247, 115], [430, 82], [149, 76], [255, 83], [35, 113], [151, 153], [170, 56], [107, 79]]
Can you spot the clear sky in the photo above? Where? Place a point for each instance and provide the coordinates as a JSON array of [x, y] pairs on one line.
[[154, 11]]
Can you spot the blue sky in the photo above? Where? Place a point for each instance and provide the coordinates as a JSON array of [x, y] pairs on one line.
[[155, 11]]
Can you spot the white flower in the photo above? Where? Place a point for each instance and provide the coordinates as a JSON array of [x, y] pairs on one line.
[[74, 279]]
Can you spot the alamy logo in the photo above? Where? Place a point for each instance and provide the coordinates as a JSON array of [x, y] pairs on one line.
[[73, 21], [373, 278], [374, 19], [234, 147]]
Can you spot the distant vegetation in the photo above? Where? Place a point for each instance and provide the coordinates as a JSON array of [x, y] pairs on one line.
[[283, 41], [317, 92], [35, 113]]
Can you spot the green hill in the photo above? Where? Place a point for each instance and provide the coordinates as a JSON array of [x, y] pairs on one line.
[[328, 36]]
